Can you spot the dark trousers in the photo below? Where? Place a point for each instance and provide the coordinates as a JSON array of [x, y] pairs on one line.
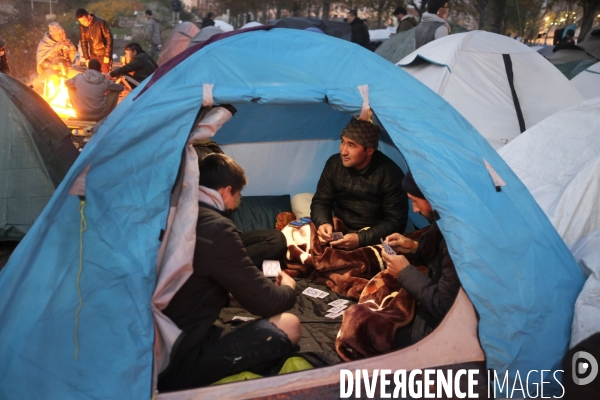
[[256, 346], [268, 244]]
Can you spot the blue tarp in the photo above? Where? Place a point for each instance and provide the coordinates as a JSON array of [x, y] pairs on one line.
[[515, 268]]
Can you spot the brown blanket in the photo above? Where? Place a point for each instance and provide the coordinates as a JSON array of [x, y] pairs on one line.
[[368, 328], [344, 272]]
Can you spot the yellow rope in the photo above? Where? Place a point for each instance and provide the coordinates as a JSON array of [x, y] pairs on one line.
[[82, 228]]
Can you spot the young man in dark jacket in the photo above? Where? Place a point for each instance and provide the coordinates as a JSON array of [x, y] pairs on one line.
[[96, 39], [202, 354], [141, 65], [360, 32], [363, 188], [435, 292]]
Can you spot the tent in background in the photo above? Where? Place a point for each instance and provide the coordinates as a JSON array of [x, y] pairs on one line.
[[398, 46], [336, 29], [588, 81], [565, 60], [36, 153], [204, 34], [178, 41], [251, 24], [591, 44], [224, 26], [559, 162], [498, 84], [140, 214]]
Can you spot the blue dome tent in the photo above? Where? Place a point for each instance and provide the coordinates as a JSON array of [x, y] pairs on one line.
[[294, 92]]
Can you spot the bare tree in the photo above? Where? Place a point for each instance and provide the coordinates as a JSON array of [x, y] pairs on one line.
[[494, 15], [590, 8]]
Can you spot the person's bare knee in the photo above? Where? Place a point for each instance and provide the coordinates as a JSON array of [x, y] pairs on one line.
[[289, 324]]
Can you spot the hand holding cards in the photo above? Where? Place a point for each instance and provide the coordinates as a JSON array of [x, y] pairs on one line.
[[337, 235], [271, 268], [387, 248]]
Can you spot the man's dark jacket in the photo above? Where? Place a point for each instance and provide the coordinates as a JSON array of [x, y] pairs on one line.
[[207, 22], [371, 198], [221, 266], [176, 5], [98, 33], [142, 67], [435, 292], [360, 33], [4, 67]]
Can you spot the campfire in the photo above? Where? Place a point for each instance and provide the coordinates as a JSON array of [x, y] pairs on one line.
[[57, 96]]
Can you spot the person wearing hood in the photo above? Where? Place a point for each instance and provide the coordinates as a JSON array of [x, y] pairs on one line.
[[359, 31], [4, 67], [96, 39], [55, 53], [153, 34], [433, 23], [434, 291], [205, 352], [405, 22], [139, 68], [93, 95], [209, 20]]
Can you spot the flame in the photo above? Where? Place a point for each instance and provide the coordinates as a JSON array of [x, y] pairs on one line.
[[57, 96]]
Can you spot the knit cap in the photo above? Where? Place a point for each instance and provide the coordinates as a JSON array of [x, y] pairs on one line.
[[362, 132]]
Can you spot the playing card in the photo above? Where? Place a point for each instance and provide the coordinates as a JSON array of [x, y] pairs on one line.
[[336, 309], [338, 302], [312, 292], [322, 294], [333, 315], [271, 268], [387, 248], [337, 235], [240, 318]]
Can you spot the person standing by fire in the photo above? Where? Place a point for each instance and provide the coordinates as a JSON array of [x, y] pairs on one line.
[[4, 67], [55, 53], [96, 39]]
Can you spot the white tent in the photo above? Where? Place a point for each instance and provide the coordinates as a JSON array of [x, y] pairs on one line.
[[471, 71], [381, 34], [224, 26], [251, 24], [559, 162], [588, 81]]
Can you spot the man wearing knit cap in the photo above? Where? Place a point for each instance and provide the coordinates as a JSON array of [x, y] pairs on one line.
[[434, 292], [363, 188]]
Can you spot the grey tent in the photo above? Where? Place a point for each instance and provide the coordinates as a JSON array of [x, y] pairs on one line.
[[337, 29], [591, 44], [35, 155], [567, 59], [398, 46], [204, 34]]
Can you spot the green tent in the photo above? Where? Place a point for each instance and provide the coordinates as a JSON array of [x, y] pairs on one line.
[[35, 155], [398, 46]]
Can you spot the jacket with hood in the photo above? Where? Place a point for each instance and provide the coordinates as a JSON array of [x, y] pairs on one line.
[[100, 36], [360, 33], [407, 23], [221, 266], [154, 31], [90, 87], [372, 197], [176, 5], [431, 28], [142, 67]]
